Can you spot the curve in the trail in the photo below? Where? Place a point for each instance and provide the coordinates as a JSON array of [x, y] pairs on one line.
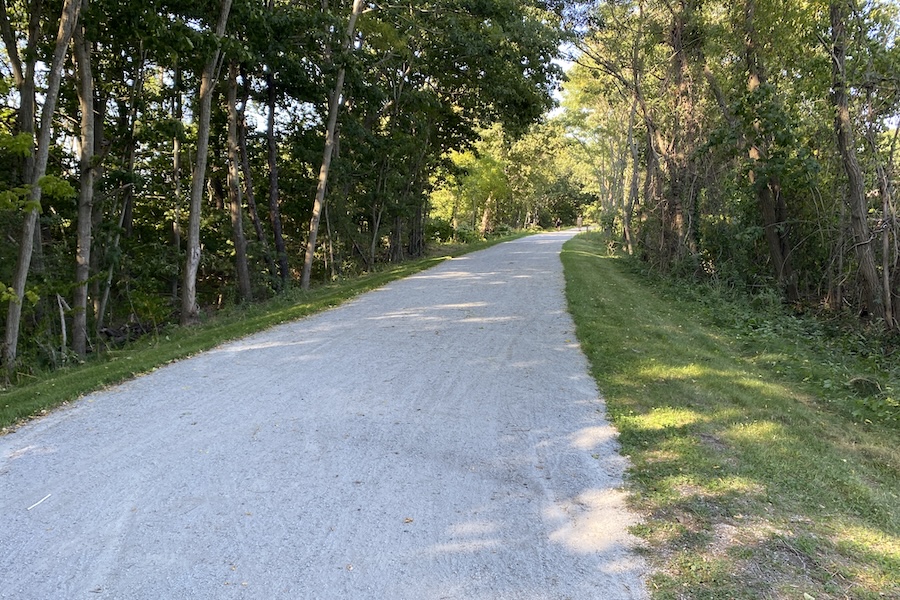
[[437, 438]]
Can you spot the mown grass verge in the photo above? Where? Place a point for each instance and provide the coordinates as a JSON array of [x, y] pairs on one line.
[[52, 389], [753, 478]]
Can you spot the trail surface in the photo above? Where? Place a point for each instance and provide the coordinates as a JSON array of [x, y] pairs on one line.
[[437, 438]]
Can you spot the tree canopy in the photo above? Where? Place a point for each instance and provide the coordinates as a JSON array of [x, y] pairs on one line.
[[179, 124], [752, 143]]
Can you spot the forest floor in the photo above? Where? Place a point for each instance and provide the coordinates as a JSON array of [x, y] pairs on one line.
[[764, 446], [439, 437]]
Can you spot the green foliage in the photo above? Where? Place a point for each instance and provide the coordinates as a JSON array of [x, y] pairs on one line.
[[721, 118], [16, 145], [519, 182], [56, 188], [421, 80]]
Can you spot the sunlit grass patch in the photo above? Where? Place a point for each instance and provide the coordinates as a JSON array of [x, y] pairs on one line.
[[663, 417]]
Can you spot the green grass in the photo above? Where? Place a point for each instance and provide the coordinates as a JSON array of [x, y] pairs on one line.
[[754, 476], [49, 390]]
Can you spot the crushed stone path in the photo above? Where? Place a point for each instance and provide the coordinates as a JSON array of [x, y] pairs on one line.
[[438, 438]]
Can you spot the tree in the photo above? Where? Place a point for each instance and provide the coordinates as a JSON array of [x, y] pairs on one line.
[[419, 80], [234, 189], [67, 24], [85, 94], [189, 308], [856, 198], [334, 104]]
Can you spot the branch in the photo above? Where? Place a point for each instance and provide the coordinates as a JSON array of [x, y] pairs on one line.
[[9, 40]]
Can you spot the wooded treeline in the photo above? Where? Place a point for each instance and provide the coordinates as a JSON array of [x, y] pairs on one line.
[[164, 155], [752, 142], [755, 142]]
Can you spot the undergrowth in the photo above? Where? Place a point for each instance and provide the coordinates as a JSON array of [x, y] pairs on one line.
[[851, 365]]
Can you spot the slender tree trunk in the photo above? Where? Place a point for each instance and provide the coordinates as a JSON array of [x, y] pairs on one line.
[[104, 300], [417, 232], [885, 228], [85, 90], [130, 122], [234, 190], [330, 235], [190, 310], [486, 215], [100, 148], [376, 226], [274, 209], [333, 107], [888, 218], [178, 115], [862, 234], [397, 240], [23, 74], [768, 192], [248, 181], [67, 23], [633, 186]]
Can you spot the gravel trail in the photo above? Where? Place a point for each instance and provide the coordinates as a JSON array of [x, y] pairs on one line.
[[439, 438]]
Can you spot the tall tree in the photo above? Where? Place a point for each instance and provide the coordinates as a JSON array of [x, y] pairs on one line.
[[333, 107], [190, 310], [67, 23], [234, 189], [85, 92], [863, 237], [763, 178]]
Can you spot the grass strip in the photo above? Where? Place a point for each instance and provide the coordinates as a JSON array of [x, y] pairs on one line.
[[50, 390], [751, 483]]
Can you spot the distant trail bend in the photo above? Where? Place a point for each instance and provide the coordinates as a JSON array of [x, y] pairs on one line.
[[437, 438]]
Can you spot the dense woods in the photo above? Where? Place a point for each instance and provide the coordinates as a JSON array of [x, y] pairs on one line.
[[162, 158], [752, 143], [762, 137]]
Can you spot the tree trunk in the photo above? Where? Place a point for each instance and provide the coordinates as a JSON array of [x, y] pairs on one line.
[[274, 209], [23, 74], [397, 240], [768, 192], [190, 310], [417, 232], [178, 115], [67, 23], [486, 215], [234, 190], [333, 106], [376, 226], [248, 181], [85, 89], [129, 118], [856, 198], [97, 212], [886, 227], [633, 186]]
